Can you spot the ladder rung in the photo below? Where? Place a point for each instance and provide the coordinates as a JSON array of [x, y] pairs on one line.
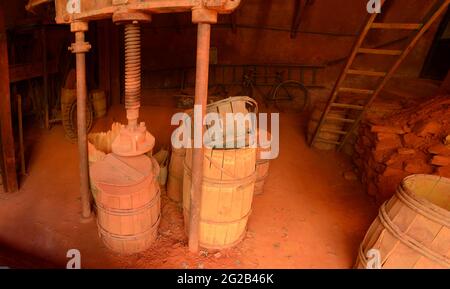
[[349, 106], [356, 90], [404, 26], [380, 51], [334, 131], [346, 120], [327, 141], [366, 72]]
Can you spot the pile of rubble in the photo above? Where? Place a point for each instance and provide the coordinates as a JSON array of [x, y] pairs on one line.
[[413, 141]]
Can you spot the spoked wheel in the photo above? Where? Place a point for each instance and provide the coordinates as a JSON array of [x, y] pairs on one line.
[[291, 95], [70, 119]]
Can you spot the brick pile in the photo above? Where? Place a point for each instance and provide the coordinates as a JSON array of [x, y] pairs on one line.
[[413, 141]]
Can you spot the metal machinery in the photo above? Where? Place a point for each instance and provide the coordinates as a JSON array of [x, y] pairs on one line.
[[134, 139]]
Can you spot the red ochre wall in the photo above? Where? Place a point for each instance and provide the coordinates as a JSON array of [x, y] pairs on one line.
[[326, 34]]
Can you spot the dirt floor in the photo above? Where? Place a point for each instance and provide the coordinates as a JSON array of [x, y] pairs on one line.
[[308, 217]]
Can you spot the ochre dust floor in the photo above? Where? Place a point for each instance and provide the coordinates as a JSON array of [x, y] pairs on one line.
[[308, 217]]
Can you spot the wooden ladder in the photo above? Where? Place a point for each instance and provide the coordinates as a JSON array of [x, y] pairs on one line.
[[369, 94]]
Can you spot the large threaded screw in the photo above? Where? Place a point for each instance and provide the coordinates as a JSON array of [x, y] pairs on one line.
[[132, 72]]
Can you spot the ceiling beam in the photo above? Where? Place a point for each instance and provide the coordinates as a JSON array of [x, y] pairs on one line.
[[296, 19], [299, 7]]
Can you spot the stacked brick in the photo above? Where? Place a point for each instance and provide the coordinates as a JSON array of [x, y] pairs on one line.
[[414, 141]]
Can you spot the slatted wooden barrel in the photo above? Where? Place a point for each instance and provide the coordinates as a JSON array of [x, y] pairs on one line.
[[103, 140], [176, 172], [67, 96], [329, 125], [128, 202], [228, 185], [412, 229], [98, 98], [262, 166], [232, 105]]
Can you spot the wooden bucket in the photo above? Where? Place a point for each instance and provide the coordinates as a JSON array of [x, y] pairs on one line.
[[128, 202], [235, 105], [176, 172], [412, 230], [99, 145], [98, 98], [162, 157], [262, 171], [330, 125], [228, 185], [103, 140]]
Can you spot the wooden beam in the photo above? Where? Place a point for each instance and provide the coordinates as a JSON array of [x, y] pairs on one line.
[[7, 137], [296, 19], [400, 26], [380, 51], [21, 72], [356, 90], [366, 73]]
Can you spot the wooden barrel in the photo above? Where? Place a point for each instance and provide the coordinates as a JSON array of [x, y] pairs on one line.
[[262, 166], [67, 97], [262, 171], [98, 98], [99, 145], [234, 105], [103, 140], [176, 172], [128, 202], [228, 184], [412, 229], [330, 125]]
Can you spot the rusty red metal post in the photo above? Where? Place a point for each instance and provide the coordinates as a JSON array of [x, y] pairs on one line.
[[80, 47], [204, 18]]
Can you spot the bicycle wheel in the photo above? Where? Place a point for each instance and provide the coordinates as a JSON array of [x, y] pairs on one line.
[[70, 119], [291, 94]]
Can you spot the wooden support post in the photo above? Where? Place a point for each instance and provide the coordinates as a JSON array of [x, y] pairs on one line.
[[7, 137], [23, 168]]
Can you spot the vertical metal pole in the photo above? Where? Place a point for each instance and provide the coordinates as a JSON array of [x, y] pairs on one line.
[[201, 96], [80, 47], [82, 138]]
